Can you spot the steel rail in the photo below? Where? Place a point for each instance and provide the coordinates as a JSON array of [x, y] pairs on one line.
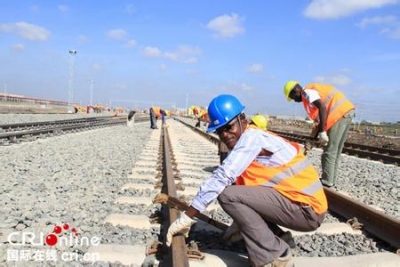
[[374, 222], [42, 124], [176, 254], [58, 129], [12, 126]]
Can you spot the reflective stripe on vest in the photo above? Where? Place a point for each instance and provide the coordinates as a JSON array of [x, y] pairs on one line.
[[313, 188], [292, 170], [296, 169], [297, 180]]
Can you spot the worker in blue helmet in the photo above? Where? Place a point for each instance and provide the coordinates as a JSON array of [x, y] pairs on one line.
[[264, 182]]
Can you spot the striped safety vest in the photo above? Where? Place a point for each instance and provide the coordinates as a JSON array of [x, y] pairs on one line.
[[297, 180], [337, 105]]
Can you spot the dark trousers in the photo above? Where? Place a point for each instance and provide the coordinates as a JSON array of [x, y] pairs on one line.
[[153, 121], [254, 207]]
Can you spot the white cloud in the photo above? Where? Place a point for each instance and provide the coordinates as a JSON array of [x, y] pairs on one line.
[[190, 60], [117, 34], [184, 54], [18, 47], [27, 31], [246, 87], [335, 80], [256, 67], [377, 21], [171, 56], [391, 25], [331, 9], [63, 8], [227, 26], [131, 43], [150, 51]]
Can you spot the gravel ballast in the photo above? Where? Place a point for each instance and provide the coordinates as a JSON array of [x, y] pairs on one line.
[[71, 179], [75, 179]]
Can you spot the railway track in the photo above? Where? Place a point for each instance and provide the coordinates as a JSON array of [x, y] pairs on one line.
[[190, 161], [186, 162], [17, 132], [385, 155]]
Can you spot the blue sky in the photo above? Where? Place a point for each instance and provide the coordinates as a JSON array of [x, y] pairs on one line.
[[182, 53]]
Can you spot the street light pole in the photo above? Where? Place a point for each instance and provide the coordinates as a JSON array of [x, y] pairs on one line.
[[71, 77]]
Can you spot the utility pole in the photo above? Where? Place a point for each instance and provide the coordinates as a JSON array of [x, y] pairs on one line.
[[71, 77]]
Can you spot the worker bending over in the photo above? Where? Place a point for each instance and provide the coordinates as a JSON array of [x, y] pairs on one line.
[[332, 112]]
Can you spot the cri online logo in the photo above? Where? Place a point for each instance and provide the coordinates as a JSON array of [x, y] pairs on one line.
[[52, 238], [62, 235]]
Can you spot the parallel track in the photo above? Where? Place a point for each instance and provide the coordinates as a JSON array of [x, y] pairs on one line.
[[384, 155], [14, 133]]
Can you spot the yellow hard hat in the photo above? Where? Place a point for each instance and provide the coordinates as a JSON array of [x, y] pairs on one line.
[[260, 121], [288, 88]]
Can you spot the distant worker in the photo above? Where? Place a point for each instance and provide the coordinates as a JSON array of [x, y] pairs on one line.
[[260, 121], [153, 119], [275, 184], [332, 112], [198, 123], [163, 114], [131, 118], [195, 112]]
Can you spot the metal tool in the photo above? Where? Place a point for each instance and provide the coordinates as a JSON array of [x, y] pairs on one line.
[[171, 201]]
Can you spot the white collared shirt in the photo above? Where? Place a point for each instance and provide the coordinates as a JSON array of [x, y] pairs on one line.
[[247, 149]]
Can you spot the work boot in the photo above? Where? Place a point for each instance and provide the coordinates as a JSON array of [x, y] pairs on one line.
[[288, 238], [286, 260]]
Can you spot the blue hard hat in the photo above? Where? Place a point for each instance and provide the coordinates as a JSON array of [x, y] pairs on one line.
[[221, 110]]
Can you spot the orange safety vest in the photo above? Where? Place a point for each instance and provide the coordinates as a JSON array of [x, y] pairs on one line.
[[157, 112], [337, 105], [297, 180]]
